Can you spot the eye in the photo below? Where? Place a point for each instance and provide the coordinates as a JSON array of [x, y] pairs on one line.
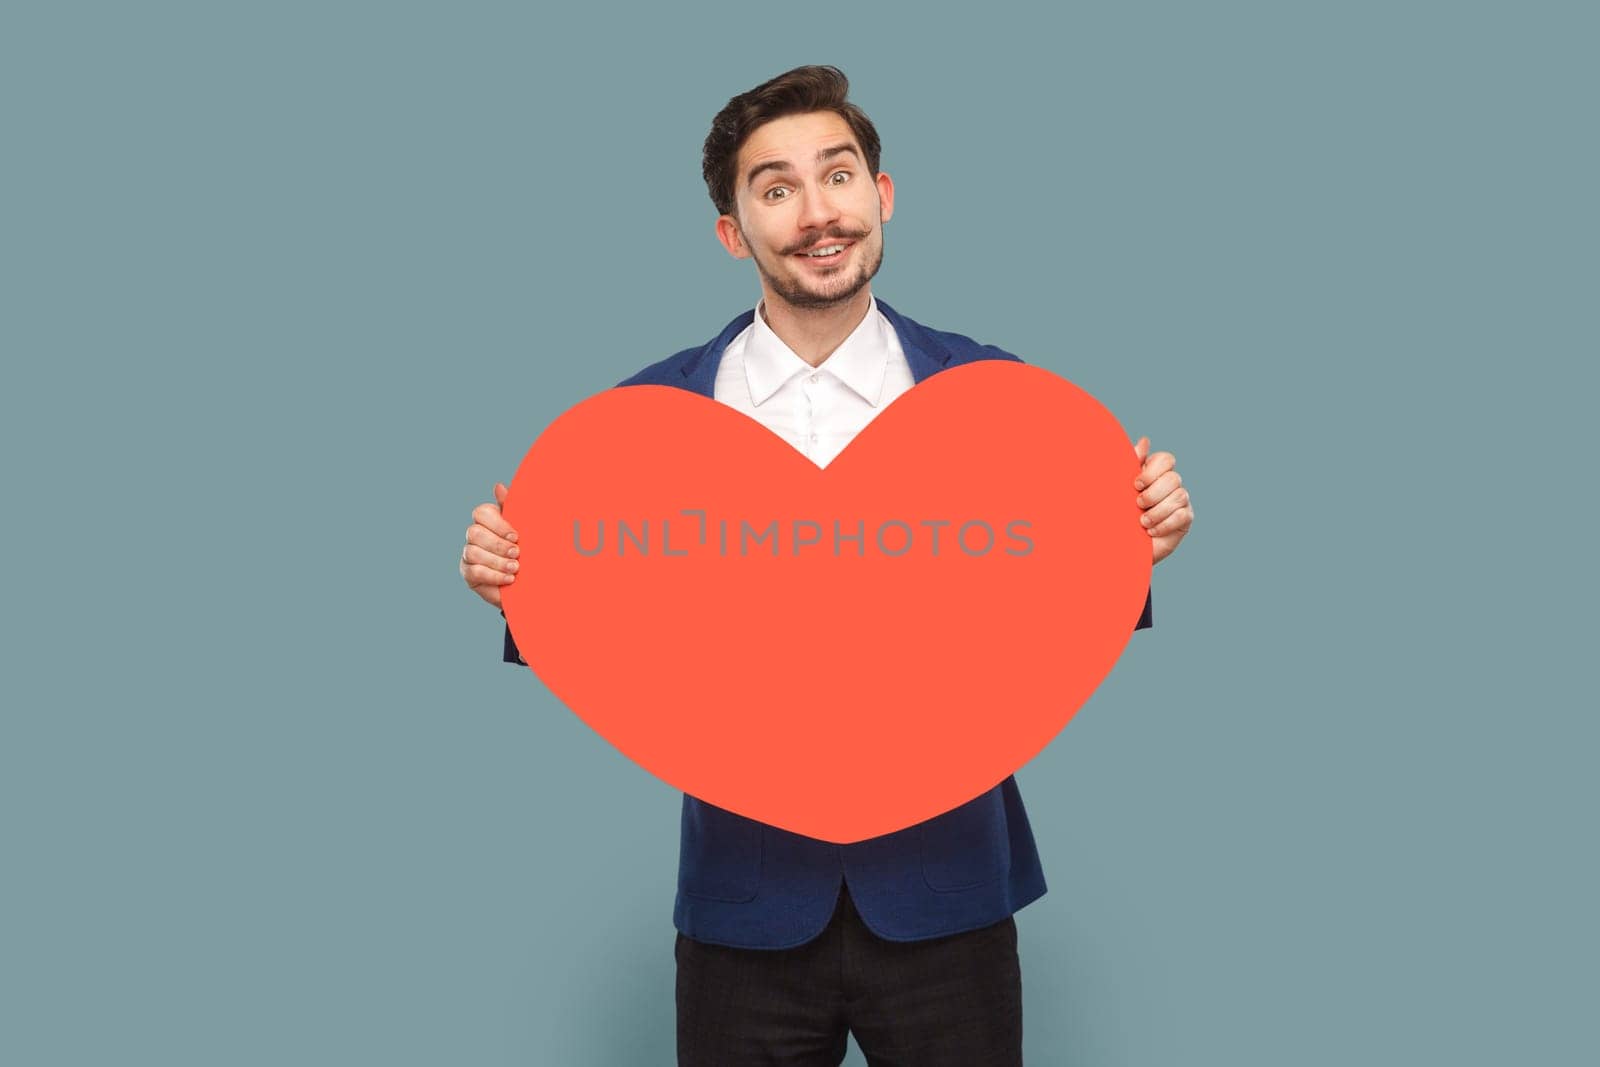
[[839, 177], [777, 192]]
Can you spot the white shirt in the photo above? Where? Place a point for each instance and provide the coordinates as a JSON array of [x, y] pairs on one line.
[[817, 410]]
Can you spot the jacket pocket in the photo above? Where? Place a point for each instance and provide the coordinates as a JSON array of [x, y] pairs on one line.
[[719, 853], [967, 846]]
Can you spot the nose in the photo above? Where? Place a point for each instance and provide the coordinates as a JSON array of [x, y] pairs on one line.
[[817, 208]]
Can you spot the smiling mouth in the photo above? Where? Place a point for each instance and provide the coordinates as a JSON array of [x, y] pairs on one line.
[[824, 253]]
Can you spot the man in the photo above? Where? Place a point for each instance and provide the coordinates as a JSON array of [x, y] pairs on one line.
[[786, 944]]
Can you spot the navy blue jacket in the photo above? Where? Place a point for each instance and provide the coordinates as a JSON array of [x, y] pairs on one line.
[[744, 883]]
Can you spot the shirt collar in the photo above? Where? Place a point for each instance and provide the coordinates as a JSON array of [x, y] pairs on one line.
[[860, 361]]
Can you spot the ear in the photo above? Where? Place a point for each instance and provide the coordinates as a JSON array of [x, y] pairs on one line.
[[885, 196], [732, 237]]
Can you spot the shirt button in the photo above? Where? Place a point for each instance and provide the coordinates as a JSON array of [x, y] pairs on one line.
[[815, 378], [813, 438]]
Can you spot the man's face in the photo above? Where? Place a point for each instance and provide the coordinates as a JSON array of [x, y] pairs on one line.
[[807, 211]]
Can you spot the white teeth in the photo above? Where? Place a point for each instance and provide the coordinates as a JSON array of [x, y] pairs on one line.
[[830, 250]]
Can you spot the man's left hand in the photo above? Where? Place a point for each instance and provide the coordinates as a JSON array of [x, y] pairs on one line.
[[1165, 502]]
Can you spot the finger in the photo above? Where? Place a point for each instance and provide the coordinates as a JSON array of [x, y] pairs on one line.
[[500, 495], [491, 543], [1159, 489], [477, 574], [1154, 467], [489, 515], [1164, 507], [472, 554], [1142, 449], [1178, 522]]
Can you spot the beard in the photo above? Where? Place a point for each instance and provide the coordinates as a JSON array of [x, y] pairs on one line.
[[792, 290]]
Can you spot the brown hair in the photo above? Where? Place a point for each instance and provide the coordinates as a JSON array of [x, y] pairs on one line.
[[794, 92]]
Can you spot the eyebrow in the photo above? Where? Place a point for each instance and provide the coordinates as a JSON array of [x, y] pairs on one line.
[[784, 165]]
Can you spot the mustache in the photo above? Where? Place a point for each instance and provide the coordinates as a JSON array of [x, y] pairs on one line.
[[811, 239]]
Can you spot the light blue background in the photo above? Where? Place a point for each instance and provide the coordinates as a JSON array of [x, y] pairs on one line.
[[287, 286]]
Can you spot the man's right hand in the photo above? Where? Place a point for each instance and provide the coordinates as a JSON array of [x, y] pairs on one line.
[[489, 558]]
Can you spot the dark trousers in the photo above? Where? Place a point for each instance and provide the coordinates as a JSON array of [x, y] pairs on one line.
[[953, 1000]]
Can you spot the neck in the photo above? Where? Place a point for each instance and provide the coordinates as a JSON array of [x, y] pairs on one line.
[[814, 333]]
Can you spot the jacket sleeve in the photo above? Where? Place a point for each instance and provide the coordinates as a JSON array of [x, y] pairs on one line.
[[511, 655]]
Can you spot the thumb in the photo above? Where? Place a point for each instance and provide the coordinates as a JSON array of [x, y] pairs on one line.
[[500, 494], [1142, 449]]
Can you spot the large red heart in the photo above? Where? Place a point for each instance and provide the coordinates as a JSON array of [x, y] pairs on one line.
[[837, 687]]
